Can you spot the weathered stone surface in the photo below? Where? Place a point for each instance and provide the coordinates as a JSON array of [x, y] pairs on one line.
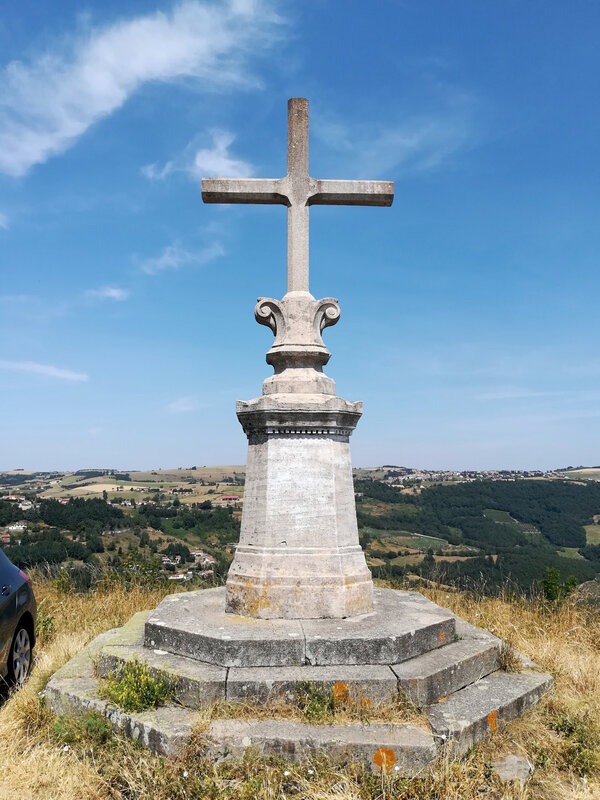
[[81, 665], [73, 690], [434, 675], [165, 730], [413, 748], [463, 718], [399, 628], [471, 714], [194, 624], [299, 556], [197, 683], [297, 190], [374, 684], [513, 768]]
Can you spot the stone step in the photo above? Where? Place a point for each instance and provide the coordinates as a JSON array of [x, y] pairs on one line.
[[194, 625], [471, 714], [464, 717], [73, 691], [441, 672], [199, 684], [359, 683], [403, 748]]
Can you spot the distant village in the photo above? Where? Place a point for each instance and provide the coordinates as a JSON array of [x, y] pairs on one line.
[[405, 476]]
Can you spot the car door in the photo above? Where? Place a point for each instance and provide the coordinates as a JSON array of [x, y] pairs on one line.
[[7, 609]]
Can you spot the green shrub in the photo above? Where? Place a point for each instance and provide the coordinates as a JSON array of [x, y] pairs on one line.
[[45, 626], [583, 735], [91, 729], [315, 700], [133, 687]]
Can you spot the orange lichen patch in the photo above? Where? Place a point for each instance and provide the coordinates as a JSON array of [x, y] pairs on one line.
[[384, 758], [443, 699], [442, 636], [492, 720], [365, 702], [413, 683], [340, 692]]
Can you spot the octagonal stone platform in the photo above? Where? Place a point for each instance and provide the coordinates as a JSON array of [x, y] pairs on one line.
[[448, 667], [403, 625]]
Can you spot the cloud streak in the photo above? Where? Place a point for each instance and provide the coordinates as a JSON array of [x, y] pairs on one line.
[[183, 405], [47, 370], [416, 142], [109, 293], [174, 257], [3, 221], [48, 103], [209, 162]]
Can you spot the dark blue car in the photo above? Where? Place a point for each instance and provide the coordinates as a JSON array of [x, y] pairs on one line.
[[18, 614]]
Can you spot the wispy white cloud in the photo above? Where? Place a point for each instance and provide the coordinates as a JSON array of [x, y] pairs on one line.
[[3, 221], [183, 405], [412, 142], [154, 172], [109, 293], [33, 309], [48, 103], [206, 162], [174, 256], [47, 370], [215, 161]]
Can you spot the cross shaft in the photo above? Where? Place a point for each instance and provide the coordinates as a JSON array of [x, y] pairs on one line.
[[297, 191]]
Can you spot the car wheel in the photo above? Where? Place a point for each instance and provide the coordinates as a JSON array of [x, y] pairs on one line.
[[19, 661]]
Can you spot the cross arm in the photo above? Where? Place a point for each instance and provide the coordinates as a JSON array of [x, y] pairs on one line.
[[243, 190], [352, 193]]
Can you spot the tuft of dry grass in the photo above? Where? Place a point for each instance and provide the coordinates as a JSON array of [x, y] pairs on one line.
[[320, 707], [40, 758]]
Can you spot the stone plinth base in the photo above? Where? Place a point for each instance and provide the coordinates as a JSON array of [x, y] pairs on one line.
[[299, 555]]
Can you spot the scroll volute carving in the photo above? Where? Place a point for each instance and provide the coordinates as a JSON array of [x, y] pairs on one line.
[[271, 313], [298, 321], [327, 313]]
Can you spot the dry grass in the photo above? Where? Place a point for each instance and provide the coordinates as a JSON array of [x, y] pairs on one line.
[[564, 640], [321, 706]]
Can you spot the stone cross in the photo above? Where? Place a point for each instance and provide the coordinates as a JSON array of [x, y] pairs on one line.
[[297, 191]]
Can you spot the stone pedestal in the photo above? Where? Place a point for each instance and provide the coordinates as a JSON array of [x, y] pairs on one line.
[[299, 555]]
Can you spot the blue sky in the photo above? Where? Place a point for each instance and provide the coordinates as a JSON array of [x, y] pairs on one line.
[[470, 309]]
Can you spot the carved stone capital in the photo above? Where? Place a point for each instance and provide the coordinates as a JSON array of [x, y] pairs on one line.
[[298, 353], [267, 416]]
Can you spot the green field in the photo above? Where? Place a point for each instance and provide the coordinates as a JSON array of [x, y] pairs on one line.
[[592, 534], [407, 539], [504, 517], [570, 552], [585, 474]]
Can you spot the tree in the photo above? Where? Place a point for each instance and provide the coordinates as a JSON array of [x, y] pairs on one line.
[[553, 587]]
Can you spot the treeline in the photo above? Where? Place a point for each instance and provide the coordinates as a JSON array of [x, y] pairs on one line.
[[50, 547], [380, 491], [70, 515], [524, 568], [558, 509], [201, 520]]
